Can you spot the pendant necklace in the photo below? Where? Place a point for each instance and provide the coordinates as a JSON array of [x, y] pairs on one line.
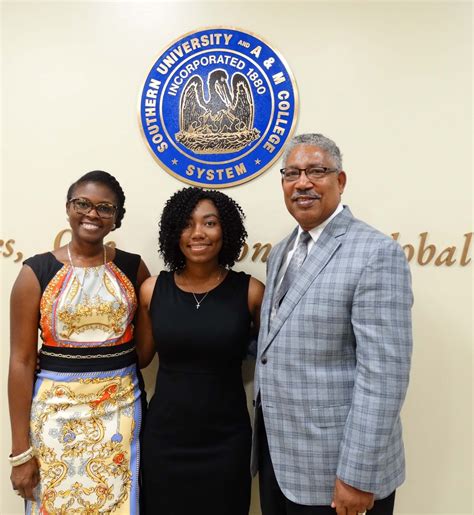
[[74, 271], [199, 302]]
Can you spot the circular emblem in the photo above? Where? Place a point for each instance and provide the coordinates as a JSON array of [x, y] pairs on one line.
[[217, 107]]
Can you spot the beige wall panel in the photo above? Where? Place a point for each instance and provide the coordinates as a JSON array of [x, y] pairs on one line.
[[390, 82]]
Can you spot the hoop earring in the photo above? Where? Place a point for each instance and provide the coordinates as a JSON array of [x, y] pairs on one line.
[[114, 227]]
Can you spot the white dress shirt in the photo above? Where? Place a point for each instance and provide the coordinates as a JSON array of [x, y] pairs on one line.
[[315, 233]]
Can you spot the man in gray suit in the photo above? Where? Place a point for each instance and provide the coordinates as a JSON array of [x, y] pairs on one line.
[[333, 352]]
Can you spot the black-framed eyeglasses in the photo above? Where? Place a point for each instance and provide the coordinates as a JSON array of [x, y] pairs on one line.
[[84, 206], [314, 173]]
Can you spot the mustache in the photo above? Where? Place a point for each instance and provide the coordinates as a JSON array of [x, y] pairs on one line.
[[307, 194]]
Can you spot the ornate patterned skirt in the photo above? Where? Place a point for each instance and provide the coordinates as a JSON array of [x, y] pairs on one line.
[[85, 424]]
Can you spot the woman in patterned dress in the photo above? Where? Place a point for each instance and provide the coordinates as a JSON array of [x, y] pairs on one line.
[[76, 421]]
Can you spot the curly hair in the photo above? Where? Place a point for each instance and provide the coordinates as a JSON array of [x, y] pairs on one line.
[[110, 182], [176, 214]]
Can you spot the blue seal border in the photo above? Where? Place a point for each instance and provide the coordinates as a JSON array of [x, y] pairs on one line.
[[278, 149]]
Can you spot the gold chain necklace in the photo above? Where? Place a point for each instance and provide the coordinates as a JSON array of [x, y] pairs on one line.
[[199, 302]]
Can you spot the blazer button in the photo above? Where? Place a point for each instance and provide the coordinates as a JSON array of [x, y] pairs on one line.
[[264, 360]]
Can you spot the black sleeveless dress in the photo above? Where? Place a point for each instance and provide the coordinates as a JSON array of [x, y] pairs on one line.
[[197, 436]]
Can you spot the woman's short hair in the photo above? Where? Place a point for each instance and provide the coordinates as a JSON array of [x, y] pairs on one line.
[[176, 214], [108, 180]]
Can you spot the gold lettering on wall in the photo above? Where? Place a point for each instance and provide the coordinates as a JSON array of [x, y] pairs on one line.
[[258, 249], [8, 245], [467, 245], [243, 253], [58, 241], [423, 253]]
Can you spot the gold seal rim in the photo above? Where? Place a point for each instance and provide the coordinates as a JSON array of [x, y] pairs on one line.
[[270, 163]]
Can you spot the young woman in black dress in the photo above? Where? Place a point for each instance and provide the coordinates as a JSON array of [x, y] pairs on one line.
[[198, 317]]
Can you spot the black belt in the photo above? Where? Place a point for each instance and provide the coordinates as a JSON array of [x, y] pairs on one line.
[[84, 359]]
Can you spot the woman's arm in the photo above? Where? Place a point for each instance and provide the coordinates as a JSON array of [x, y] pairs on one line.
[[24, 316], [143, 334], [255, 297], [142, 274]]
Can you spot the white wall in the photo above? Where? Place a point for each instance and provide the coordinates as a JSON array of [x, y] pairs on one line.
[[389, 82]]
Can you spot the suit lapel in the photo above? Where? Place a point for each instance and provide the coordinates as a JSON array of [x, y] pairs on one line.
[[280, 253], [321, 253]]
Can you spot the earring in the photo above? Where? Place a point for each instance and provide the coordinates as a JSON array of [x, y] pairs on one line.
[[113, 227]]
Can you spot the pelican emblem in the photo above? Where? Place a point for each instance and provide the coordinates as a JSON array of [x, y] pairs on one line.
[[217, 107], [221, 124]]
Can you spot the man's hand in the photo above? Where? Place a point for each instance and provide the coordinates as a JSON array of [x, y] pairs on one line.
[[348, 500]]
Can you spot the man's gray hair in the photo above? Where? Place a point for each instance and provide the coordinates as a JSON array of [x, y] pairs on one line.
[[316, 140]]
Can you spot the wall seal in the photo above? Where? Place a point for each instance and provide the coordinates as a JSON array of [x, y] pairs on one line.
[[217, 107]]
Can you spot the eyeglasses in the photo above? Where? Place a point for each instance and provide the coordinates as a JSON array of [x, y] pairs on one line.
[[314, 174], [84, 206]]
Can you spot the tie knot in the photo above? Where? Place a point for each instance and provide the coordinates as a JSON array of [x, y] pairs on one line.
[[305, 237], [292, 270]]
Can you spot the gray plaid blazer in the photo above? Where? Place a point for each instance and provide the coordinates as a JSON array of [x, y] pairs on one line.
[[333, 364]]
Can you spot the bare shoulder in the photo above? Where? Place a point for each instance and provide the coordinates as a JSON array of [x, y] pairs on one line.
[[26, 282], [256, 290], [143, 273], [146, 289], [25, 296]]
